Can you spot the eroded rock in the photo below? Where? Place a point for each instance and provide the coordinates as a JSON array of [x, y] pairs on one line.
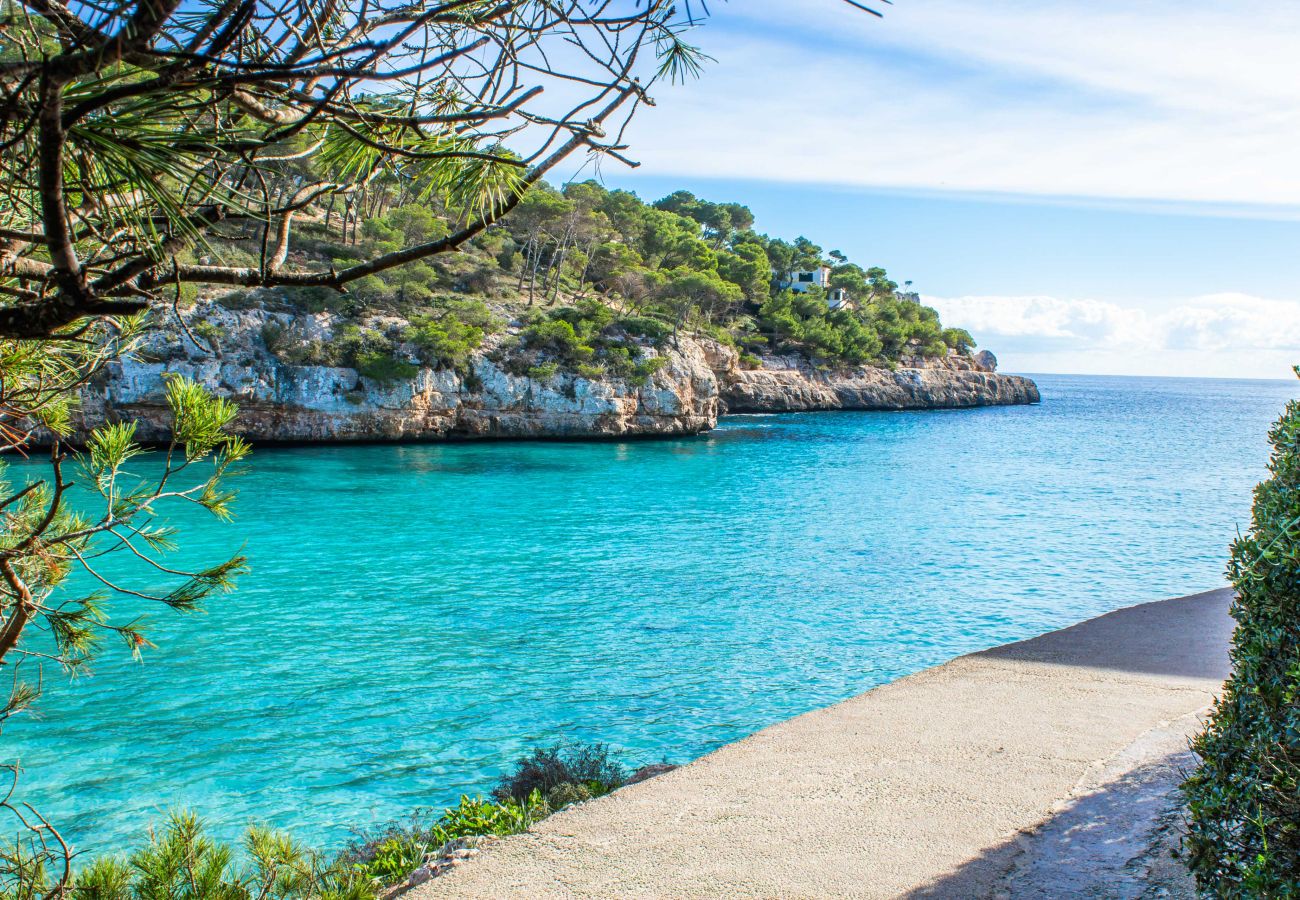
[[699, 380]]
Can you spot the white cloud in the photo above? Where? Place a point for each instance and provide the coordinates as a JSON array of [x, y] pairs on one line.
[[1151, 100], [1215, 334]]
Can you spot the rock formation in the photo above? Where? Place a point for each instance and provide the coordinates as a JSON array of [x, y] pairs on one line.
[[794, 384], [701, 379]]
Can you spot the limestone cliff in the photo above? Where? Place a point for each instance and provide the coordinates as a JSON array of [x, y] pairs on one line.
[[793, 384], [700, 379]]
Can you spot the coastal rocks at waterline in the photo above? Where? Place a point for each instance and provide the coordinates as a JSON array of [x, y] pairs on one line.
[[281, 401], [700, 379], [794, 384]]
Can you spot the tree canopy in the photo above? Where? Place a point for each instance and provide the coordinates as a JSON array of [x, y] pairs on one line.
[[131, 132]]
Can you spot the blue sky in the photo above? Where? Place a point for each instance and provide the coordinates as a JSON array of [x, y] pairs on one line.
[[1088, 189]]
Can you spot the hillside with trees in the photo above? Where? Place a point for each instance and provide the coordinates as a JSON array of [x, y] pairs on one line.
[[583, 274]]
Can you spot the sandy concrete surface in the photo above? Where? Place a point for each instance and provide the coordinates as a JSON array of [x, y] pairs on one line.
[[1042, 768]]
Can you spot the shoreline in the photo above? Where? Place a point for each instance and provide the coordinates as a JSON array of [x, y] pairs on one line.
[[457, 439], [988, 771], [694, 380]]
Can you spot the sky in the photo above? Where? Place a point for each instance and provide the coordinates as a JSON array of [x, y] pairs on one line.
[[1086, 188]]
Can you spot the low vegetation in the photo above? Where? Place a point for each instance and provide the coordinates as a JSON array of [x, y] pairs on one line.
[[179, 860], [590, 281], [544, 781], [565, 772], [1244, 799]]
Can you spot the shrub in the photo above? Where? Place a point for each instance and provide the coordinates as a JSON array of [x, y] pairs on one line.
[[210, 332], [384, 367], [272, 335], [473, 817], [563, 795], [394, 858], [959, 339], [589, 340], [559, 338], [592, 766], [449, 339], [180, 861], [399, 848], [321, 299], [241, 299], [1244, 798], [543, 371], [655, 330]]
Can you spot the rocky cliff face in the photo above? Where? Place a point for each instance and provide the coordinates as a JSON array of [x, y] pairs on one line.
[[700, 379], [279, 401], [793, 384]]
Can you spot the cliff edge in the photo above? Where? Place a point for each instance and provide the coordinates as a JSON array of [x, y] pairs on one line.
[[795, 384], [698, 380]]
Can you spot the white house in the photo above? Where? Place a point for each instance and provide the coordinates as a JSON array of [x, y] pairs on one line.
[[801, 281], [836, 298]]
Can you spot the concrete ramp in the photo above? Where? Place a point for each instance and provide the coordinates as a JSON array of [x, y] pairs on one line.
[[1042, 768]]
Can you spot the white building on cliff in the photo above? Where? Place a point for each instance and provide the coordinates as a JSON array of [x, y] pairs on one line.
[[801, 281]]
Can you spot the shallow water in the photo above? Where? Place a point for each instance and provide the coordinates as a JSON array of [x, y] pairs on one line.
[[419, 615]]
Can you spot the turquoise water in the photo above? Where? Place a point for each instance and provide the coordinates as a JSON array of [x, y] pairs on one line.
[[418, 615]]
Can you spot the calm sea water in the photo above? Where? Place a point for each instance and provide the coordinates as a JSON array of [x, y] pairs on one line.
[[419, 615]]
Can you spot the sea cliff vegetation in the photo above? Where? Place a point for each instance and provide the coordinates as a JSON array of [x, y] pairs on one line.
[[587, 276]]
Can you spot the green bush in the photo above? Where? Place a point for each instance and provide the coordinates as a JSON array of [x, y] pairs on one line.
[[181, 863], [400, 848], [394, 858], [473, 817], [959, 339], [447, 339], [590, 340], [209, 332], [591, 766], [543, 371], [655, 330], [368, 351], [1244, 798], [385, 368], [272, 335]]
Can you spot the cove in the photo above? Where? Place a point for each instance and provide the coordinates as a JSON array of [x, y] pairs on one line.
[[417, 615]]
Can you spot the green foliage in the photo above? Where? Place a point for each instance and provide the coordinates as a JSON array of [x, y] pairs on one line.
[[373, 354], [385, 368], [394, 857], [805, 321], [543, 371], [447, 336], [180, 862], [593, 767], [401, 847], [589, 339], [598, 272], [272, 335], [958, 339], [210, 332], [473, 817], [697, 265], [47, 532], [1243, 801], [655, 330]]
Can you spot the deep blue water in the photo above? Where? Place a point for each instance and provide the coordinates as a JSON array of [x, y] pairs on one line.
[[419, 615]]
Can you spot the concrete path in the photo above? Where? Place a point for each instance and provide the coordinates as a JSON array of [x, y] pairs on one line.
[[1042, 768]]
